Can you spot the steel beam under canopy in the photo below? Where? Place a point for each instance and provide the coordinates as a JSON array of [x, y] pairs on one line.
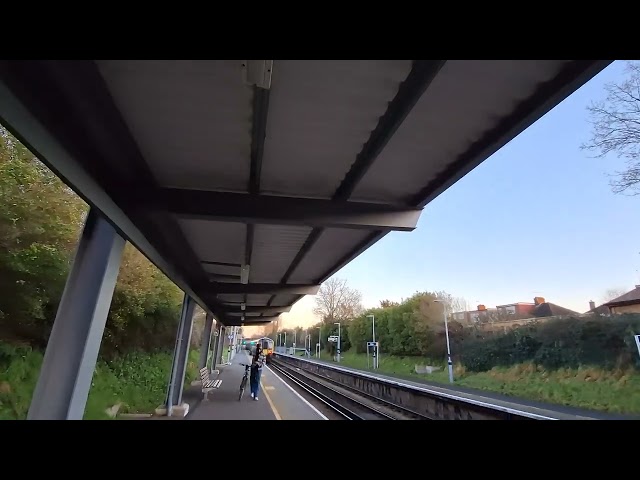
[[235, 310], [249, 321], [268, 209], [263, 288], [70, 359], [248, 324]]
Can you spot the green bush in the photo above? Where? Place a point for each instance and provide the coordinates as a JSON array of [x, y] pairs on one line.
[[40, 221], [600, 341], [136, 380]]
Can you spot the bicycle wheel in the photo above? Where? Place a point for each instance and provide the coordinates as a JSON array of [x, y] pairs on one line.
[[243, 385]]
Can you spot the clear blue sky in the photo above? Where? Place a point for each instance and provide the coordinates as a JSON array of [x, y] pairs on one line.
[[536, 218]]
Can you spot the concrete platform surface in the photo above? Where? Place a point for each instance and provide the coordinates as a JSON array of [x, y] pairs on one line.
[[276, 400]]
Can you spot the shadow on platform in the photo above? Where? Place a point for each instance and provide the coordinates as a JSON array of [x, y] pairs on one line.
[[223, 403]]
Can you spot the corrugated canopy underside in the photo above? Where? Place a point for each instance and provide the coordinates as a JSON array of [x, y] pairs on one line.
[[386, 133]]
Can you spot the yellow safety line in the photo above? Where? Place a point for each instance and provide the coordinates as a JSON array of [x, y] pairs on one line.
[[273, 407]]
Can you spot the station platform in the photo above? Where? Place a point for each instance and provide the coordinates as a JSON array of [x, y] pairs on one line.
[[276, 399]]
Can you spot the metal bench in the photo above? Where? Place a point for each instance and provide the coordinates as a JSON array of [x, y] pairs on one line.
[[207, 383]]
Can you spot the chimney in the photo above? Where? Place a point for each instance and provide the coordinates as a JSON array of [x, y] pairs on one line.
[[538, 300], [592, 305]]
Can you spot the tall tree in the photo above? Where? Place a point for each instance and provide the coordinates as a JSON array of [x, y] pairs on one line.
[[612, 293], [453, 304], [616, 129], [337, 302], [388, 303], [40, 219]]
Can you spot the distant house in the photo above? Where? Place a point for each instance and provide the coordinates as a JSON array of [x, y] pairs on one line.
[[518, 309], [481, 314], [601, 310], [627, 303], [510, 312], [548, 309], [540, 308]]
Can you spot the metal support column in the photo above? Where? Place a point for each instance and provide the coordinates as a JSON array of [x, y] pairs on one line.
[[226, 341], [180, 354], [232, 344], [216, 343], [225, 344], [206, 341], [223, 332], [72, 351]]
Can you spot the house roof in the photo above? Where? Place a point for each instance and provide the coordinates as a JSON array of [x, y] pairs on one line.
[[514, 304], [248, 195], [630, 298], [600, 310], [549, 309]]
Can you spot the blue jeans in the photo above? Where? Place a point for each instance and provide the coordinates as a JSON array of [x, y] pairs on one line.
[[255, 381]]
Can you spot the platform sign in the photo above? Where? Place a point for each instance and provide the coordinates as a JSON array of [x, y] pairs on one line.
[[374, 346]]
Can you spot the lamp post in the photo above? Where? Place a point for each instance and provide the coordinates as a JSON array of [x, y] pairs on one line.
[[375, 348], [285, 341], [319, 344], [446, 331], [339, 338]]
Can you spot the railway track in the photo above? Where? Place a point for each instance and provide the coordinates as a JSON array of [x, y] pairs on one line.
[[349, 403], [400, 399], [440, 408]]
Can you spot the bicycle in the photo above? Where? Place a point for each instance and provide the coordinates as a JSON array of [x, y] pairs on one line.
[[243, 382]]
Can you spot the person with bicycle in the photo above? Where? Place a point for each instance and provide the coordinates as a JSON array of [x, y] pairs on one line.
[[256, 371]]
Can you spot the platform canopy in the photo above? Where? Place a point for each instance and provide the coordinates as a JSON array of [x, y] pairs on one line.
[[250, 182]]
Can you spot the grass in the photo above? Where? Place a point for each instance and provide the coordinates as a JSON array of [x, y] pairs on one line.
[[137, 380], [615, 391]]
